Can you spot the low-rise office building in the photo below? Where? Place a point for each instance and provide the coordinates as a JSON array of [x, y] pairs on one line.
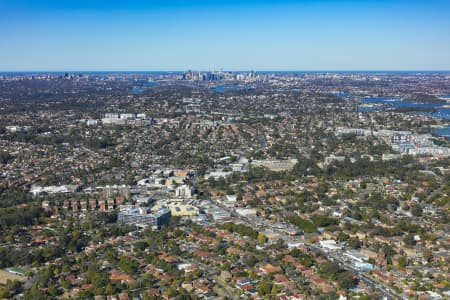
[[143, 217]]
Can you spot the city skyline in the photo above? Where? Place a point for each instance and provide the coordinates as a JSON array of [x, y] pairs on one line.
[[230, 35]]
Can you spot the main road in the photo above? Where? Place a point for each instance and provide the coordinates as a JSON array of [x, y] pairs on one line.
[[336, 256]]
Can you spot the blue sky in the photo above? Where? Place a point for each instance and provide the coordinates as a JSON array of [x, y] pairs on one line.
[[233, 35]]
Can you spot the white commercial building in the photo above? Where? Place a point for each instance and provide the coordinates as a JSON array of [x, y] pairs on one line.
[[330, 245]]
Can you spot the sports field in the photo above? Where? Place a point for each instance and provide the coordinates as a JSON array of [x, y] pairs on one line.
[[5, 275]]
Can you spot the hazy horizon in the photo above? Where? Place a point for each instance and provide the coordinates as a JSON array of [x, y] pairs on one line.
[[226, 70]]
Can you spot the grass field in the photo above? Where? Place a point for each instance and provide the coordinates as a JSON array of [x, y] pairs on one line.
[[4, 276]]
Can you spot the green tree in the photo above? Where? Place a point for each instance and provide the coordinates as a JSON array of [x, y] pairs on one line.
[[346, 280], [416, 210], [354, 243], [402, 261], [409, 239], [262, 239], [264, 287]]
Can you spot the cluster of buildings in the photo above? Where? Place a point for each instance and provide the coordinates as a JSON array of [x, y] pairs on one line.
[[70, 198], [275, 165], [16, 128], [224, 167], [218, 134], [37, 190], [83, 205], [175, 198], [219, 76], [124, 119], [403, 142]]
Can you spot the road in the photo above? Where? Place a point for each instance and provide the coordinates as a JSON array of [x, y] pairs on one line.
[[335, 257]]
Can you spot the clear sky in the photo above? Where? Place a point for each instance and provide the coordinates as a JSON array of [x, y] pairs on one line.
[[233, 35]]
